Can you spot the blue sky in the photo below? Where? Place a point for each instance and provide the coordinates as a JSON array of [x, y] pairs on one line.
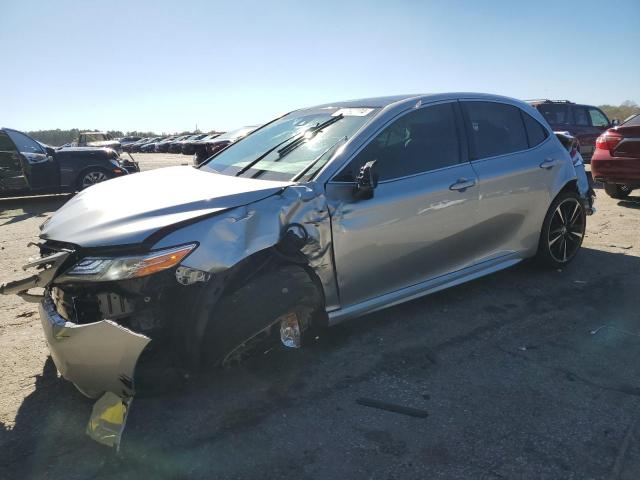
[[165, 66]]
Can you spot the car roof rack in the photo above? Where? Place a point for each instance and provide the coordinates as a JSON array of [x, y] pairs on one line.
[[546, 100]]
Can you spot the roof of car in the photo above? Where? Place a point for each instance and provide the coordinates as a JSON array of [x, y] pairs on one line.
[[381, 102]]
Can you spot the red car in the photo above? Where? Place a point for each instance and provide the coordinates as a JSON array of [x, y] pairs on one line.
[[616, 160]]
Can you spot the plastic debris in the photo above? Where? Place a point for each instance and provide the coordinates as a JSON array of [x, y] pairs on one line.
[[290, 331], [594, 332], [392, 407], [108, 419]]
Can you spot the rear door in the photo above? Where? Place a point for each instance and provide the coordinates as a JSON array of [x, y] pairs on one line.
[[40, 169], [419, 223], [11, 174], [516, 162], [598, 123]]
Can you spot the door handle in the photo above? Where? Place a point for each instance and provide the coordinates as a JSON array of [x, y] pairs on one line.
[[462, 184], [548, 163]]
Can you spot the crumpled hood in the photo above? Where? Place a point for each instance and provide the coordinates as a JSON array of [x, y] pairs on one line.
[[126, 210]]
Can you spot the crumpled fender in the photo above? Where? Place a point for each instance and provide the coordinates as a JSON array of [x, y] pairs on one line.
[[235, 235]]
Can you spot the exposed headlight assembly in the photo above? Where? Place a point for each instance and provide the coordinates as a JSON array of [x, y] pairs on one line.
[[107, 269]]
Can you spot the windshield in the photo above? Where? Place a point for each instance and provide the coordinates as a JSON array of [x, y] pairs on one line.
[[96, 137], [632, 121], [296, 144]]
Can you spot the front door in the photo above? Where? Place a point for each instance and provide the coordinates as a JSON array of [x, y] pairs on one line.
[[417, 224], [40, 169], [589, 122]]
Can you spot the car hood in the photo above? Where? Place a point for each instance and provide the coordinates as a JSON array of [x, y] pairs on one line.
[[103, 143], [127, 210]]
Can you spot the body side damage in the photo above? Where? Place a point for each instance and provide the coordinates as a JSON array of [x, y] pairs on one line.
[[252, 235]]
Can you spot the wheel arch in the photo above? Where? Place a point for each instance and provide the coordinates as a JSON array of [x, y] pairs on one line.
[[209, 294]]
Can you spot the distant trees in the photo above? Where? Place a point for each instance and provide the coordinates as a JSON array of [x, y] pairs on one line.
[[622, 111]]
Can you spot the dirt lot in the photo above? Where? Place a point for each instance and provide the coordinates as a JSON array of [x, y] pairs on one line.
[[525, 374]]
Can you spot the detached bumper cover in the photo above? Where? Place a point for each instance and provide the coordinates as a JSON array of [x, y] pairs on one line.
[[97, 357]]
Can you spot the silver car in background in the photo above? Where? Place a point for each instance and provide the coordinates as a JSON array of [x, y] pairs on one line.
[[321, 215]]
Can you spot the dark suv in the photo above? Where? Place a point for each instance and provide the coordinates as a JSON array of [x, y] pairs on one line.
[[585, 122]]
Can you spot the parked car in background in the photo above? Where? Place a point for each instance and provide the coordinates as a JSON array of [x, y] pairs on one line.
[[128, 140], [211, 147], [585, 122], [131, 147], [321, 215], [177, 146], [175, 140], [97, 139], [162, 146], [190, 147], [27, 165], [616, 161], [150, 146]]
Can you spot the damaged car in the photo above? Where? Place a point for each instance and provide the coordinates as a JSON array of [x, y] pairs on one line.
[[321, 215]]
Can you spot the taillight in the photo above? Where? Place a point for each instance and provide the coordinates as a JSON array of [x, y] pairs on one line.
[[608, 141]]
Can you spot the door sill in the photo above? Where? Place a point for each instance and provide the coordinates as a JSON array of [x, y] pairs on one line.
[[424, 288]]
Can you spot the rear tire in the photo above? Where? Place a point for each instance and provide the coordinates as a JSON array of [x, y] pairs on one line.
[[250, 315], [562, 231], [617, 191]]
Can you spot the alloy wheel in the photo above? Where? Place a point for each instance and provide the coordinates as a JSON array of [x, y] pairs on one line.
[[93, 177], [566, 230]]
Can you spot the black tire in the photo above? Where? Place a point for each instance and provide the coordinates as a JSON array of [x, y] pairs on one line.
[[562, 231], [618, 191], [250, 315], [92, 176], [199, 157]]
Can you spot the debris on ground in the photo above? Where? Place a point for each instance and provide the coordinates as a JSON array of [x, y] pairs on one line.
[[392, 407]]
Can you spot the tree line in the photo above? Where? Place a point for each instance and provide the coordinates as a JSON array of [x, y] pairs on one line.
[[622, 111]]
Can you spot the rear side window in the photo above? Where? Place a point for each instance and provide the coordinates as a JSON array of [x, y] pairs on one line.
[[494, 129], [536, 133], [580, 117], [554, 114], [420, 141]]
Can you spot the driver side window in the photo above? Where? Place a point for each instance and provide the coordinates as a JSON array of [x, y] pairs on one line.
[[420, 141], [24, 143]]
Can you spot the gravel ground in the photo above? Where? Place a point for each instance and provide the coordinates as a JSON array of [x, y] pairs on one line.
[[525, 374]]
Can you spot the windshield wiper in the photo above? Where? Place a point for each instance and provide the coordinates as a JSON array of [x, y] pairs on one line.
[[296, 141], [316, 160], [309, 134]]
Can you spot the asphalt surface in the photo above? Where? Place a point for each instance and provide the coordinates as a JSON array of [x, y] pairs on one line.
[[527, 373]]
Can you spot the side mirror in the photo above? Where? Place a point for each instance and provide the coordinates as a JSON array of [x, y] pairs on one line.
[[367, 180], [50, 151], [615, 122]]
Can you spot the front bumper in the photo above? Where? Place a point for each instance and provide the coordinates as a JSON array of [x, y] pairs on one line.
[[97, 357]]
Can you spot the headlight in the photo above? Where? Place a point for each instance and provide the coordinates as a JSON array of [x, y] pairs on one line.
[[105, 269]]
